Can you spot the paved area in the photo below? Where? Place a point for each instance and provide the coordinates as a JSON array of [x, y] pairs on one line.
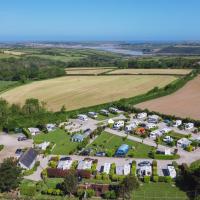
[[11, 143]]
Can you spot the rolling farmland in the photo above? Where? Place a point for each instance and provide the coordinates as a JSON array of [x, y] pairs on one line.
[[183, 103], [82, 91]]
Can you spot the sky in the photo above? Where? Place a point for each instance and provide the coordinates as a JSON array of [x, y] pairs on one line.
[[96, 20]]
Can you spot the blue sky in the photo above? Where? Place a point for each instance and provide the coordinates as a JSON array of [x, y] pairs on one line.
[[99, 20]]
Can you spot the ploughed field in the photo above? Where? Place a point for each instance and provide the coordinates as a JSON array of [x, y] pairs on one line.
[[152, 71], [82, 91], [184, 103]]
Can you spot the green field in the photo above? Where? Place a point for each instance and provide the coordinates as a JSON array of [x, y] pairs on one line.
[[60, 138], [110, 142], [6, 84], [161, 191]]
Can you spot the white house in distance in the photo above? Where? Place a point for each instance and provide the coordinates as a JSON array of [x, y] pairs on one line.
[[118, 124], [171, 171], [82, 117], [106, 168], [50, 127], [27, 159], [142, 115], [189, 126], [43, 145], [93, 115], [153, 118], [34, 131], [64, 164], [183, 142], [145, 170], [84, 164], [177, 123], [150, 126], [155, 134], [113, 110], [130, 127]]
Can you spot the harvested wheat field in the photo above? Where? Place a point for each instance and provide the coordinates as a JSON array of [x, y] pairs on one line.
[[184, 103], [152, 71], [82, 91]]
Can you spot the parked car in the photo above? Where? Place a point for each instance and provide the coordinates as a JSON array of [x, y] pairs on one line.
[[144, 163], [22, 138], [100, 154], [65, 158]]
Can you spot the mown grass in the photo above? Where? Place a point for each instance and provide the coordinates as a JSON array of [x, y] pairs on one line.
[[62, 141], [162, 191], [109, 142]]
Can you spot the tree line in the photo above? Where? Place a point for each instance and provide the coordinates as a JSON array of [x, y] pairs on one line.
[[30, 68]]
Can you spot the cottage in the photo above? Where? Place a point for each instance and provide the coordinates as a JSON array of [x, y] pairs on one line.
[[44, 145], [150, 126], [130, 127], [122, 150], [168, 139], [50, 127], [155, 134], [82, 117], [34, 131], [189, 126], [64, 164], [106, 168], [93, 115], [118, 124], [28, 158], [77, 138], [141, 115], [104, 112], [183, 142], [171, 171], [153, 118], [84, 164], [165, 130], [127, 169], [119, 170], [113, 110], [177, 123], [145, 170]]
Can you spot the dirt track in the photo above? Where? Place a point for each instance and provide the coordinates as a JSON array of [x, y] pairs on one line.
[[184, 103]]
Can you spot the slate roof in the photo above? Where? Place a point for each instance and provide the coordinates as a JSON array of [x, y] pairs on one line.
[[28, 157]]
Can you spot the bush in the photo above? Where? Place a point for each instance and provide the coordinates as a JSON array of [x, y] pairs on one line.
[[168, 179], [110, 195], [52, 164], [26, 133], [146, 179], [189, 148], [155, 179], [161, 178], [154, 163], [90, 193]]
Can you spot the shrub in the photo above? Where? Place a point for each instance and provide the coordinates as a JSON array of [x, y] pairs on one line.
[[161, 178], [168, 179], [146, 179], [90, 193], [110, 195], [26, 133], [189, 148], [155, 179], [154, 163], [52, 164]]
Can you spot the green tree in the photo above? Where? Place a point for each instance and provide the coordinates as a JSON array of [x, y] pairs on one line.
[[127, 186], [10, 175], [70, 183]]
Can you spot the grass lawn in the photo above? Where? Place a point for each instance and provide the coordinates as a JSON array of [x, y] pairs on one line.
[[82, 91], [103, 117], [176, 135], [162, 191], [60, 138], [107, 141], [6, 84]]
